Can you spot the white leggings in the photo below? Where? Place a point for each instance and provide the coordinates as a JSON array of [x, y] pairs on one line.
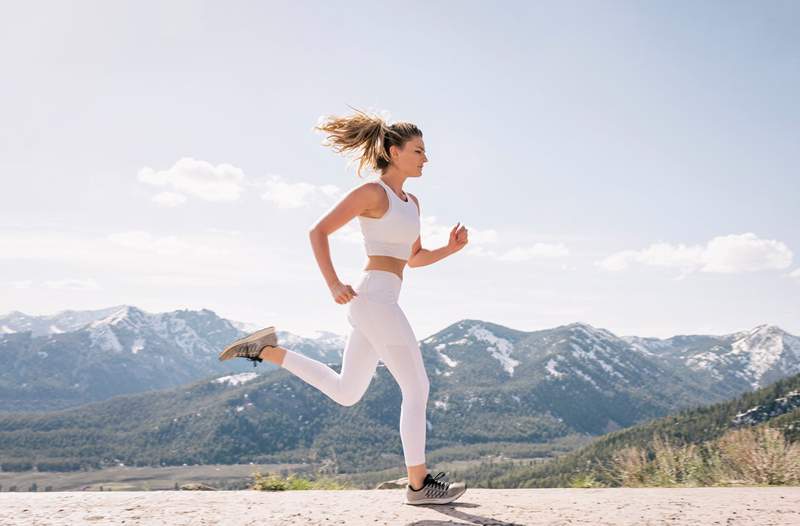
[[379, 330]]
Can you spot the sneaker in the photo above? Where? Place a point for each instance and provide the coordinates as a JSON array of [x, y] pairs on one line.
[[251, 346], [435, 491]]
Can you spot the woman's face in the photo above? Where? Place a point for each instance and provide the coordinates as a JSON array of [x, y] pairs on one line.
[[411, 157]]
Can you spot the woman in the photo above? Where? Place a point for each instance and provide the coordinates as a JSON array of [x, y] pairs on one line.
[[390, 222]]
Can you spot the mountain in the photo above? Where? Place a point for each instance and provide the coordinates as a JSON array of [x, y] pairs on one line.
[[64, 321], [75, 357], [489, 384], [742, 360]]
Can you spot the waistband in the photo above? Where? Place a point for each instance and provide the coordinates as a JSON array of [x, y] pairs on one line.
[[379, 285]]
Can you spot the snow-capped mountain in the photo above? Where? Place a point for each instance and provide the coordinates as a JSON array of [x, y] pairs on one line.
[[574, 375], [581, 376], [64, 321], [73, 357], [489, 383], [743, 360]]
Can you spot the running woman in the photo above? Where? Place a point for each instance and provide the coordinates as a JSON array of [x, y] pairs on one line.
[[389, 218]]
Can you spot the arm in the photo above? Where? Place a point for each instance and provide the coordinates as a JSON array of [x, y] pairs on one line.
[[354, 203], [421, 256]]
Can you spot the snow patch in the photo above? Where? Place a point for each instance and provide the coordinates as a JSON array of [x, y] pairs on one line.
[[54, 330], [446, 359], [764, 347], [586, 377], [500, 348], [5, 329], [236, 379], [551, 369], [581, 353], [138, 345], [103, 336]]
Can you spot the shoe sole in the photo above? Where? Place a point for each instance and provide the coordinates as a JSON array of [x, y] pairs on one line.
[[441, 500], [230, 351]]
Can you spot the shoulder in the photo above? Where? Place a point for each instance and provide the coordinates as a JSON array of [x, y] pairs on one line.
[[370, 193], [412, 196]]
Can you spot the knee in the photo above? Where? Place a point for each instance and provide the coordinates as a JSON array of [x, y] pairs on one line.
[[417, 393], [349, 397], [348, 400]]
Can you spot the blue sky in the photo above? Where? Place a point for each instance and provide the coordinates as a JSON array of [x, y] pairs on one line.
[[626, 164]]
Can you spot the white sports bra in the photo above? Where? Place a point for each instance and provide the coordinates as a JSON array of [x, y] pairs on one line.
[[394, 232]]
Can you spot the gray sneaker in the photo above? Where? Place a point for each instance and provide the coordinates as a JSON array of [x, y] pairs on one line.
[[435, 491], [251, 345]]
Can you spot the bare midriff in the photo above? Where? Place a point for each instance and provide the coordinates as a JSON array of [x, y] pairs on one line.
[[388, 263]]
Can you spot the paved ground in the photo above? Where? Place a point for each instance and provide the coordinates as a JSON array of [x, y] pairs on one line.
[[603, 506]]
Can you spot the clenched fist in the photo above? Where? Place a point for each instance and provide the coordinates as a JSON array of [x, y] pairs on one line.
[[458, 238], [342, 293]]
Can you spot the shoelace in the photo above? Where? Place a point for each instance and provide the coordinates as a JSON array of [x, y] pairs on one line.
[[436, 488], [246, 352]]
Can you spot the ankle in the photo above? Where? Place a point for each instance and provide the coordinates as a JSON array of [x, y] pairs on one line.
[[272, 354], [416, 485], [267, 354]]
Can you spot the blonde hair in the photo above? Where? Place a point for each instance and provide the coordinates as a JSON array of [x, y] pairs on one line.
[[369, 136]]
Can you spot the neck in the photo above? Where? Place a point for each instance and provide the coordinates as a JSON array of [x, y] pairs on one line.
[[394, 179]]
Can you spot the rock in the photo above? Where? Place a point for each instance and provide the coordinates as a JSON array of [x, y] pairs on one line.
[[393, 484], [196, 486]]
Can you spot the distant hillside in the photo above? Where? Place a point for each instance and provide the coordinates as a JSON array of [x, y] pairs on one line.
[[777, 405]]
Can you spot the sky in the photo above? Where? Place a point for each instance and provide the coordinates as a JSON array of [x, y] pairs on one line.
[[631, 165]]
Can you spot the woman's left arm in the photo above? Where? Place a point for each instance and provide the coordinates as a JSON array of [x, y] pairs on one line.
[[421, 256]]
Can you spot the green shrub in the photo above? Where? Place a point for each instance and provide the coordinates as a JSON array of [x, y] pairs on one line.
[[275, 482]]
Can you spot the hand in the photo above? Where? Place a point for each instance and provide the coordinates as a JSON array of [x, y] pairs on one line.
[[342, 293], [458, 238]]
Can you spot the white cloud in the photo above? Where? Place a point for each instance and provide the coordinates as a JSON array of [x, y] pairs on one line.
[[795, 274], [169, 199], [723, 254], [745, 253], [135, 252], [285, 194], [20, 284], [223, 182], [164, 245], [72, 284]]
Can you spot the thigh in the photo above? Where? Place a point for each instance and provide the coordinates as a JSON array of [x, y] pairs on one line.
[[359, 359], [386, 327]]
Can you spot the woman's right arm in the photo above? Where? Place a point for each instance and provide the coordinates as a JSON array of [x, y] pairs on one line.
[[354, 203]]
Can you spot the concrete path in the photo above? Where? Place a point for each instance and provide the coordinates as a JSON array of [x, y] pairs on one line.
[[603, 506]]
